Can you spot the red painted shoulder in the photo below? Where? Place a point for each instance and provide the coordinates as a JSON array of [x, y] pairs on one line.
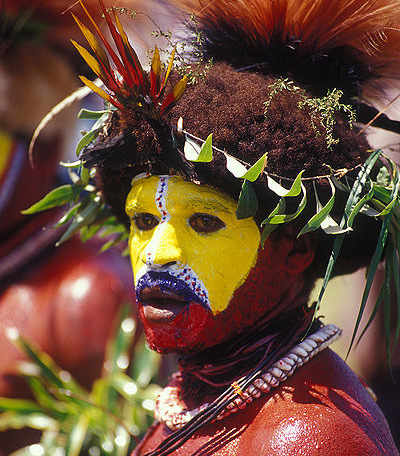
[[322, 410]]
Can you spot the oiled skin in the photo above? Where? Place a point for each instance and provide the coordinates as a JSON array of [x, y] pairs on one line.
[[322, 410]]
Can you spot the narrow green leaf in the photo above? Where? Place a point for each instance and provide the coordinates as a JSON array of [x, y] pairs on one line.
[[125, 386], [371, 274], [57, 197], [19, 405], [83, 217], [75, 164], [145, 364], [356, 208], [86, 140], [294, 190], [77, 436], [69, 214], [253, 173], [337, 246], [88, 232], [361, 180], [85, 176], [14, 420], [248, 203], [373, 314], [89, 114], [322, 211], [118, 228]]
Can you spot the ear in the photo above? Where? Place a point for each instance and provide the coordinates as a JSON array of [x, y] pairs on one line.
[[284, 251], [301, 255]]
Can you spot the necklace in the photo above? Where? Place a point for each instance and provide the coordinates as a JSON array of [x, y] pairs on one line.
[[171, 411]]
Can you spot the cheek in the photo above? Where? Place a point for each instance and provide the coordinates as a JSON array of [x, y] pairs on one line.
[[224, 264]]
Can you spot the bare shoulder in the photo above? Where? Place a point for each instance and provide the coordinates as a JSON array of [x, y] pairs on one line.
[[322, 409]]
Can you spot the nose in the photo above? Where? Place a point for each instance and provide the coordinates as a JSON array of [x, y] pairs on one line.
[[164, 248]]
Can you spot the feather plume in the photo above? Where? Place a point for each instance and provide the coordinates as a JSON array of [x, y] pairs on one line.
[[360, 38], [130, 87]]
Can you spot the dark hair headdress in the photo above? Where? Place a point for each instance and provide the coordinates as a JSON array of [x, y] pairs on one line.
[[288, 80]]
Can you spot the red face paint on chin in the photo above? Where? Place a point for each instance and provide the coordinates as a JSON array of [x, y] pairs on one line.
[[196, 328]]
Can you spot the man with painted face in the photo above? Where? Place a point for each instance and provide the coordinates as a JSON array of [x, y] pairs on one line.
[[221, 276]]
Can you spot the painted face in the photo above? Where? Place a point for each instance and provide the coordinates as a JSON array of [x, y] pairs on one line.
[[189, 233], [200, 275], [189, 252]]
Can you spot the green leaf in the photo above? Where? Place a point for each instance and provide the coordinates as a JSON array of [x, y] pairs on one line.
[[77, 436], [145, 364], [294, 190], [86, 140], [278, 218], [195, 153], [87, 232], [14, 420], [19, 405], [82, 218], [75, 164], [253, 173], [89, 114], [376, 258], [356, 208], [350, 204], [394, 193], [322, 211], [57, 197], [69, 214], [85, 176], [248, 203], [206, 152]]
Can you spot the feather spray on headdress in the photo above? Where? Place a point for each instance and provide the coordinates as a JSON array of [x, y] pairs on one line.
[[325, 44]]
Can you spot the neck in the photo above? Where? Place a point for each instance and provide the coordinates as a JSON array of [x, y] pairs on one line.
[[205, 374]]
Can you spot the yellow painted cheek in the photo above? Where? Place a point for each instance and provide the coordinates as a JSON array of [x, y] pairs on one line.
[[226, 262]]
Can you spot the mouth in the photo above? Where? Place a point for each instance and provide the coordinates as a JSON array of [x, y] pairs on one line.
[[161, 306]]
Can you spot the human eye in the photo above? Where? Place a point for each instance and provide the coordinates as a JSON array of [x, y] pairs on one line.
[[205, 223], [145, 221]]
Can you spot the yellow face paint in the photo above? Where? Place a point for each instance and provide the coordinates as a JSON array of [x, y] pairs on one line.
[[191, 232], [6, 144]]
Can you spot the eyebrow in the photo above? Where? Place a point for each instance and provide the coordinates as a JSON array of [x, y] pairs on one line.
[[206, 203]]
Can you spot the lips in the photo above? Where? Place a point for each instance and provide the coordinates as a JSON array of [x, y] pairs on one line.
[[161, 306]]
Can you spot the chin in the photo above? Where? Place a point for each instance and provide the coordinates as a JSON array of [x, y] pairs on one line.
[[186, 332]]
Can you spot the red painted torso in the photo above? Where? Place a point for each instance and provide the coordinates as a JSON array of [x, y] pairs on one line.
[[322, 410]]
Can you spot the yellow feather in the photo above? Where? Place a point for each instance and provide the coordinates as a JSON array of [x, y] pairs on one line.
[[156, 62], [170, 64], [179, 88], [89, 59], [96, 89], [91, 39]]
